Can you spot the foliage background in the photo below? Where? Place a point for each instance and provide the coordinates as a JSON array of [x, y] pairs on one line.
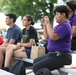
[[36, 8]]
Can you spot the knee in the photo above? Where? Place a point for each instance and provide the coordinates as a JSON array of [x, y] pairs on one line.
[[23, 48], [1, 51], [35, 61], [9, 47], [35, 68]]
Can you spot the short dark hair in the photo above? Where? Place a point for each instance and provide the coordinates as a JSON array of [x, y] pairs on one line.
[[62, 9], [12, 16], [72, 5]]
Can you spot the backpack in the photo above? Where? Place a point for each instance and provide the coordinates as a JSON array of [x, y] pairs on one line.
[[18, 68], [43, 71]]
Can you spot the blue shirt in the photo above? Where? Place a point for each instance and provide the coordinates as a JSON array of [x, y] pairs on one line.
[[14, 33]]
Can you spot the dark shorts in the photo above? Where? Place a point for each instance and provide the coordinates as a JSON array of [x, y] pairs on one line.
[[28, 52]]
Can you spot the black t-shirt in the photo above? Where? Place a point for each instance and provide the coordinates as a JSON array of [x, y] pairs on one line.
[[29, 34]]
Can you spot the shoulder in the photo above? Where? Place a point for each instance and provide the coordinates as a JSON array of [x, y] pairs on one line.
[[24, 29], [16, 27], [66, 25], [74, 17], [32, 28]]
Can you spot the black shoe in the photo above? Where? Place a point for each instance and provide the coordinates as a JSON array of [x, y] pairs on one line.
[[6, 69]]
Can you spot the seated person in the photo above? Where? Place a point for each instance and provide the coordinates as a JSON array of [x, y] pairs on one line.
[[23, 49], [1, 40], [59, 42], [14, 35], [71, 5]]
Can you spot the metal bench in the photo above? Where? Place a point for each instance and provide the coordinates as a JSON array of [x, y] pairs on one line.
[[65, 71], [2, 72], [62, 71], [69, 69]]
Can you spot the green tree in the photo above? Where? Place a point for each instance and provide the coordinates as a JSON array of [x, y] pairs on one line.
[[36, 8]]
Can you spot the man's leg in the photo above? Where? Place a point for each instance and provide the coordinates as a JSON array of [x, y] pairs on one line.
[[2, 52], [12, 52], [1, 59], [9, 54]]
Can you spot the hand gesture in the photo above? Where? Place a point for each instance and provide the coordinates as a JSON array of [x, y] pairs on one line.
[[45, 20]]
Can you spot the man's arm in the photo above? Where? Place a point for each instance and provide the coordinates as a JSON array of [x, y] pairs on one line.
[[12, 41]]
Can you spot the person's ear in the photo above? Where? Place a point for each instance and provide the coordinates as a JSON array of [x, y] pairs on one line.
[[12, 20], [63, 14]]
